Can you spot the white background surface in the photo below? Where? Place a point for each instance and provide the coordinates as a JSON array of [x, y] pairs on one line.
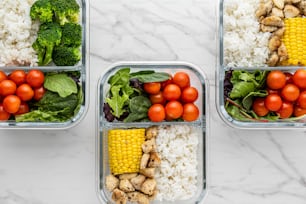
[[58, 167]]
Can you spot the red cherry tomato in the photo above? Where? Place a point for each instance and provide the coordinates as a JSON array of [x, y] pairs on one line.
[[4, 115], [299, 78], [18, 76], [165, 83], [39, 93], [157, 98], [290, 92], [11, 103], [25, 92], [172, 92], [259, 107], [7, 87], [35, 78], [273, 102], [276, 79], [152, 87], [174, 109], [181, 79], [23, 108], [298, 111], [189, 94], [156, 113], [286, 110], [190, 112], [3, 76], [302, 99]]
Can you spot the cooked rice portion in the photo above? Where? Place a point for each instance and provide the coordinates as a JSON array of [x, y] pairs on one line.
[[244, 45], [177, 176], [17, 33]]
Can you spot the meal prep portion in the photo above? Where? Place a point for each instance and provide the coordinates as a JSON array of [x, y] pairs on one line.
[[155, 163], [37, 96], [265, 95], [149, 95], [264, 33], [39, 32]]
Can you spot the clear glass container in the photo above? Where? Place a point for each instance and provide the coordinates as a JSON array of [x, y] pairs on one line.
[[82, 67], [221, 70], [198, 80]]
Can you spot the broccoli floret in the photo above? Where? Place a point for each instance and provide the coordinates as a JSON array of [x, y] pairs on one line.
[[71, 35], [49, 35], [66, 56], [66, 11], [42, 10]]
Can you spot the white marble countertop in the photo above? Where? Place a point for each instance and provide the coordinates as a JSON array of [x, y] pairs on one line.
[[245, 166]]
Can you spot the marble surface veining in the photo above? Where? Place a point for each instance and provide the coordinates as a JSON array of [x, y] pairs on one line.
[[245, 166]]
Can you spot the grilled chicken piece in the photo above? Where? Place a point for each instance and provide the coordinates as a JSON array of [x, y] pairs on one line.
[[151, 132], [274, 43], [270, 29], [280, 32], [138, 181], [273, 21], [282, 52], [292, 1], [277, 12], [111, 182], [126, 186], [119, 196], [148, 186], [148, 172], [291, 11], [138, 197], [127, 176], [154, 160], [144, 160], [273, 59], [279, 3], [264, 9], [149, 146]]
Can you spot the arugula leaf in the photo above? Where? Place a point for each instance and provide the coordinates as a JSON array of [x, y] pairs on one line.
[[117, 101], [121, 77]]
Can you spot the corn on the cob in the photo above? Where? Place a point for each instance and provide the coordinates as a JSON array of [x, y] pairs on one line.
[[124, 150], [294, 40]]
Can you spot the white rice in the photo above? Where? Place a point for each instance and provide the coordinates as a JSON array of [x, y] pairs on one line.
[[177, 176], [244, 45], [17, 33]]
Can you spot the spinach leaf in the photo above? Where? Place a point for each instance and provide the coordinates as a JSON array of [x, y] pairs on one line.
[[248, 100], [152, 77], [141, 73], [138, 107], [61, 84], [241, 89]]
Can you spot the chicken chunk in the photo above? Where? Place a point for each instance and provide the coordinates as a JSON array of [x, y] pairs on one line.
[[277, 12], [270, 29], [282, 52], [144, 160], [273, 21], [274, 43], [153, 196], [148, 172], [280, 32], [148, 186], [273, 59], [111, 182], [264, 9], [126, 186], [119, 196], [149, 146], [279, 3], [138, 181], [151, 132], [154, 160], [138, 197], [127, 176], [291, 11]]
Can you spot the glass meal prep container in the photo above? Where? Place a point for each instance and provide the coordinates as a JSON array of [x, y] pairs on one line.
[[82, 80], [226, 66], [197, 132]]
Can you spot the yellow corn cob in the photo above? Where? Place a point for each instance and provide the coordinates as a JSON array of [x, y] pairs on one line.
[[124, 150], [294, 40]]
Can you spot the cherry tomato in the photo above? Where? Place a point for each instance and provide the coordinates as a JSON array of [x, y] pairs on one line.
[[2, 76], [25, 92], [165, 83], [157, 98], [302, 99], [190, 112], [35, 78], [11, 103], [23, 108], [7, 87], [276, 79], [286, 110], [290, 92], [156, 113], [273, 102], [298, 111], [259, 107], [174, 109], [152, 87], [289, 79], [3, 114], [299, 78], [39, 93], [18, 76], [189, 94], [181, 79], [172, 92]]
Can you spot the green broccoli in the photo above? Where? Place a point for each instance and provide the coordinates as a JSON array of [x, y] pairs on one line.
[[72, 35], [66, 11], [49, 35], [66, 56], [42, 10]]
